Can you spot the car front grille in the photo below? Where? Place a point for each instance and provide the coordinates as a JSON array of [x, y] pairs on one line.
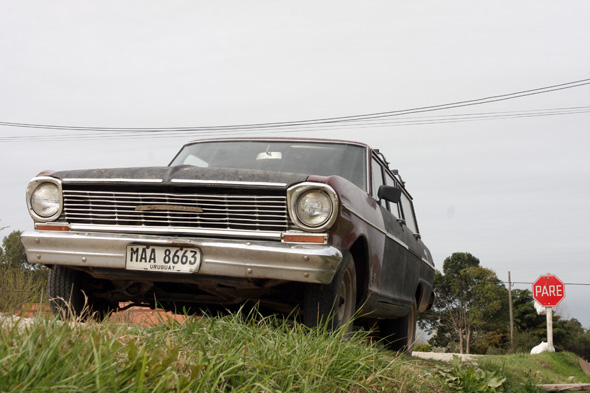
[[201, 209]]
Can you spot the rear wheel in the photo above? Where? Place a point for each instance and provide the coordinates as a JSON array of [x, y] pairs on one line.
[[334, 303], [399, 334], [69, 294]]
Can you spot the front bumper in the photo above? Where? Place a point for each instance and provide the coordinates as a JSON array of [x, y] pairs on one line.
[[220, 257]]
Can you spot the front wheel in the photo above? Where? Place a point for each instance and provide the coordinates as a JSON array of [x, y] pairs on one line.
[[334, 303], [399, 334], [69, 294]]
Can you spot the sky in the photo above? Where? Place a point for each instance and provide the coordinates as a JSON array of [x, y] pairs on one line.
[[507, 181]]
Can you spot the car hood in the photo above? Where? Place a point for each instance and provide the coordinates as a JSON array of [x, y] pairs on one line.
[[178, 174]]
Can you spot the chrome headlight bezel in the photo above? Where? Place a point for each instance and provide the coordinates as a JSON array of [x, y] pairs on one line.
[[49, 185], [322, 194]]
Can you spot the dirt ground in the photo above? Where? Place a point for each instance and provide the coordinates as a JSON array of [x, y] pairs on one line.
[[135, 315], [145, 316]]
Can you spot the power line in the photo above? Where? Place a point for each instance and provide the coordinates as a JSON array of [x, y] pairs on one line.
[[321, 121], [369, 123], [495, 283], [565, 283]]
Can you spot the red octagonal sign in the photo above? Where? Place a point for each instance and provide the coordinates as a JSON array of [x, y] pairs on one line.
[[548, 290]]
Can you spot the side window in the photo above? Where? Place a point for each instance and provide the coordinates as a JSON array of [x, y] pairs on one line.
[[408, 213], [377, 179], [393, 207]]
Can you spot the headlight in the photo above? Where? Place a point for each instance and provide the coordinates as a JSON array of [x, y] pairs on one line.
[[313, 206], [44, 199]]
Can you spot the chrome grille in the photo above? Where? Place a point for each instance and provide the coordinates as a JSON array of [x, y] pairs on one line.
[[233, 211]]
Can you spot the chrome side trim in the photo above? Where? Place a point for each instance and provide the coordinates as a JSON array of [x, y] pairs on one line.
[[377, 227], [175, 231], [229, 183], [389, 235], [117, 180], [428, 263]]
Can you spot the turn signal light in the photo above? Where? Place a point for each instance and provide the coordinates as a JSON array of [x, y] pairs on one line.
[[52, 227], [317, 239]]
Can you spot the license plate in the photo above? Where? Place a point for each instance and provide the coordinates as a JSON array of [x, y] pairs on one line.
[[163, 259]]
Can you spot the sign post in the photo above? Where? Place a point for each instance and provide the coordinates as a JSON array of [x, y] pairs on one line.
[[549, 291]]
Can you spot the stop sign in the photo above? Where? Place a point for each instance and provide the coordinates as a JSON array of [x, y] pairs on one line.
[[548, 290]]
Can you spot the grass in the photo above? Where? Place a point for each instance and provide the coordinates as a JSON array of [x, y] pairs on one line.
[[223, 354], [239, 353], [544, 368]]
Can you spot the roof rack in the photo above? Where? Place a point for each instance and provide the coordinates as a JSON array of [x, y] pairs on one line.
[[394, 171]]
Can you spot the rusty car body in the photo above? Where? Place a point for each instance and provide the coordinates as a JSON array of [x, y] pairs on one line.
[[319, 229]]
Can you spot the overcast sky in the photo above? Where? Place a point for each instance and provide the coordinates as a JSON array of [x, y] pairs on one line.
[[512, 191]]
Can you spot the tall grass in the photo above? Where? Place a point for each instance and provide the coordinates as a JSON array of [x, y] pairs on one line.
[[236, 353], [19, 287]]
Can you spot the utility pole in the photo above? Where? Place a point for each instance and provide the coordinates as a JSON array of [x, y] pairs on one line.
[[511, 312]]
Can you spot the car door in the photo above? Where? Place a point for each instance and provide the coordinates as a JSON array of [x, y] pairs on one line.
[[400, 266]]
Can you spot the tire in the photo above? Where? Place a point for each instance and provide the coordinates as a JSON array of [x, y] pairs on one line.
[[333, 304], [69, 296], [399, 334]]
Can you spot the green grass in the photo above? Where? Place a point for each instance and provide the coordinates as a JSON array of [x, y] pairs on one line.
[[222, 354], [544, 368], [241, 353]]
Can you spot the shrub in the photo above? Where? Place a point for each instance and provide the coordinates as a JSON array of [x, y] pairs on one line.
[[19, 287], [468, 379], [423, 348], [525, 341]]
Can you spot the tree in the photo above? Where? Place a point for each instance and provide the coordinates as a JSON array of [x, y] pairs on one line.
[[488, 308], [470, 299], [526, 318], [13, 253], [574, 338]]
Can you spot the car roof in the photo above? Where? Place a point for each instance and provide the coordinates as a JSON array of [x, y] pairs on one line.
[[279, 139]]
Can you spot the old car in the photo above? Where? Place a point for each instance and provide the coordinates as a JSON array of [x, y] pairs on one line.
[[322, 230]]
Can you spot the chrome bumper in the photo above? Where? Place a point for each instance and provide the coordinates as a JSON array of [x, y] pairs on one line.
[[230, 258]]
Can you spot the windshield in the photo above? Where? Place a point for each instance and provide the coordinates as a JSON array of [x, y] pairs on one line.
[[310, 158]]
